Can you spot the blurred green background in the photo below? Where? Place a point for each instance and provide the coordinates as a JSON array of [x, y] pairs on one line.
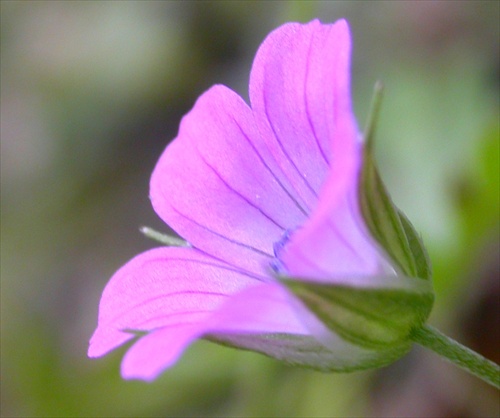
[[92, 92]]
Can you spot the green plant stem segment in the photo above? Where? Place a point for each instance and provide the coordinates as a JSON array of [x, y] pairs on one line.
[[457, 354]]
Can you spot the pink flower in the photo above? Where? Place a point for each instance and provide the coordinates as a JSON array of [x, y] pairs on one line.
[[259, 191]]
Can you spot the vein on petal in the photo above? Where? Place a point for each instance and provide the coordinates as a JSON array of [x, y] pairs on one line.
[[159, 297], [248, 247], [343, 239], [217, 174], [306, 105], [278, 140], [273, 174], [174, 314]]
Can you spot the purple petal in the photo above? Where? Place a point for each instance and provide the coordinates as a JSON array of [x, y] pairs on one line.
[[264, 308], [160, 349], [263, 318], [299, 89], [179, 295], [334, 242], [163, 287], [266, 318], [215, 187]]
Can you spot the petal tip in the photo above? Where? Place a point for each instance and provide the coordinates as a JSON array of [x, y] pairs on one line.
[[130, 372], [103, 341]]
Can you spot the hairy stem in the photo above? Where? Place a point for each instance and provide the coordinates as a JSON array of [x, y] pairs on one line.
[[458, 354]]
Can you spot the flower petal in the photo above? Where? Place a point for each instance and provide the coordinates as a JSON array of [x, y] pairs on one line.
[[163, 287], [299, 90], [263, 308], [334, 243], [160, 349], [268, 319], [215, 189]]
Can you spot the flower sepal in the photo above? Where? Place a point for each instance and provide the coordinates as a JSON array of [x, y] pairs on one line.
[[387, 224], [376, 313]]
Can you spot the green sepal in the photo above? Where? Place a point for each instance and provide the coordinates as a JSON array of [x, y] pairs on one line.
[[421, 260], [307, 351], [373, 312], [387, 224], [390, 228]]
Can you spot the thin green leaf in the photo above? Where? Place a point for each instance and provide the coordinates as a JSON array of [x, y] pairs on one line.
[[164, 239]]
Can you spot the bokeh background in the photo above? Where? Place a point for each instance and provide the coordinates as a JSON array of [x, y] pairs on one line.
[[92, 92]]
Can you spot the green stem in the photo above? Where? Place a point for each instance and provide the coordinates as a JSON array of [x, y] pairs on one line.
[[457, 354]]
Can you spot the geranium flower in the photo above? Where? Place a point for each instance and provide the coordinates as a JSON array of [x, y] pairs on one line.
[[261, 193]]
